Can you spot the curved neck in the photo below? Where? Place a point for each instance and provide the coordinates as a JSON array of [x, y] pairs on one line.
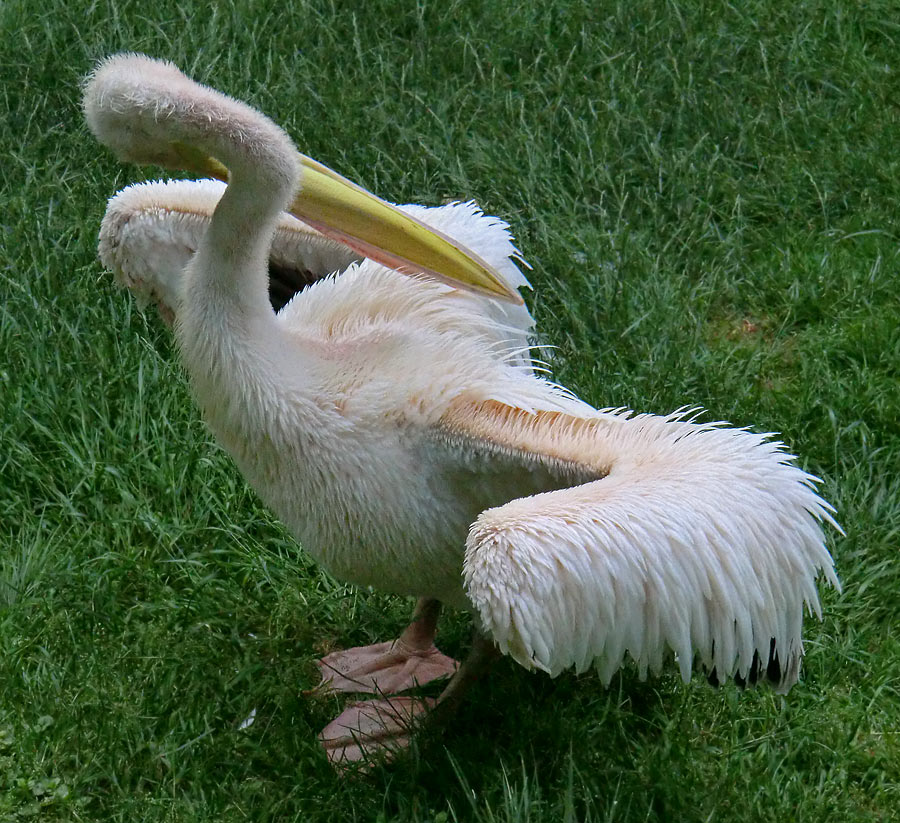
[[230, 269], [225, 313], [231, 264], [235, 351]]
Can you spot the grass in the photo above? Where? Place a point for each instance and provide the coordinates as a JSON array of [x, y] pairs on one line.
[[708, 194]]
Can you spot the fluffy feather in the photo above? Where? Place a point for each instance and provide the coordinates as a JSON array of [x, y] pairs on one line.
[[697, 538], [151, 231]]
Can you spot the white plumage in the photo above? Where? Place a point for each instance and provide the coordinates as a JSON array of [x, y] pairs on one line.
[[681, 546], [396, 426]]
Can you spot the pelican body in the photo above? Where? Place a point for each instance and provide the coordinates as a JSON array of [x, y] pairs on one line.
[[388, 412]]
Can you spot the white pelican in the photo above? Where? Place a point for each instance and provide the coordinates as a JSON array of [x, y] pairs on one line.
[[394, 424]]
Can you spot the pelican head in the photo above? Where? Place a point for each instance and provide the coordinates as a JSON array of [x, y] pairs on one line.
[[141, 109], [147, 111]]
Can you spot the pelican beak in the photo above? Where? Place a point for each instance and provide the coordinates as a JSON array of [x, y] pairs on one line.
[[372, 227], [340, 209], [195, 161]]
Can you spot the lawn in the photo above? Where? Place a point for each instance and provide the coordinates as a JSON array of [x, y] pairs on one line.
[[708, 194]]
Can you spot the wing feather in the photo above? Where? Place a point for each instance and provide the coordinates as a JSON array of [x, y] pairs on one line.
[[151, 230], [699, 540]]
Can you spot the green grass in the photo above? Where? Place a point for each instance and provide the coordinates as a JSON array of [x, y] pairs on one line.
[[709, 196]]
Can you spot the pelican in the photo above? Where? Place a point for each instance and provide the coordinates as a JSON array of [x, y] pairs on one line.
[[367, 369]]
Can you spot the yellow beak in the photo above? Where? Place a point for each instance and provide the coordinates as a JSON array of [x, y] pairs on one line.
[[374, 228], [367, 224]]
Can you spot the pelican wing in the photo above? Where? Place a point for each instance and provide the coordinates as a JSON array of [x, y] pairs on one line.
[[697, 539], [151, 231]]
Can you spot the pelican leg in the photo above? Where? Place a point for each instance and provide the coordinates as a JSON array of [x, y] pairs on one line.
[[381, 728], [394, 666]]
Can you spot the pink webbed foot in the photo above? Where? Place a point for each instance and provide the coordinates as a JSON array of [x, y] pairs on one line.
[[382, 728], [383, 668], [372, 729]]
